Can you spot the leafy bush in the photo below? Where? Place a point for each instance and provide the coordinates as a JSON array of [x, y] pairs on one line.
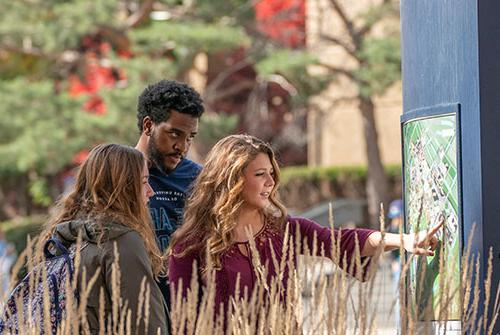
[[303, 187], [332, 173], [17, 231]]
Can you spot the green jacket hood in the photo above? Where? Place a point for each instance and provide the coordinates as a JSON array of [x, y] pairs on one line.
[[91, 230]]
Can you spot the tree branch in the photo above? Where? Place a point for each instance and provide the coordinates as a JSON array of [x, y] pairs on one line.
[[345, 19], [339, 70], [364, 30], [379, 13], [115, 36], [339, 42], [232, 90], [221, 77], [140, 15], [25, 51], [283, 83]]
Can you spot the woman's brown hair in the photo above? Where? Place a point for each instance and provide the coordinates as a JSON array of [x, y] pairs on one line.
[[213, 206], [109, 186]]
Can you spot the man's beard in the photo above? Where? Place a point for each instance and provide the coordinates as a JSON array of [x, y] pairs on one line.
[[156, 157]]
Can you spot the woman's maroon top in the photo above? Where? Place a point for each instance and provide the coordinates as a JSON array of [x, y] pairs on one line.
[[235, 262]]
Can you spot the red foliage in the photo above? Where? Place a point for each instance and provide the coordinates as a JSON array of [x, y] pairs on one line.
[[80, 157], [95, 77], [283, 21], [95, 74]]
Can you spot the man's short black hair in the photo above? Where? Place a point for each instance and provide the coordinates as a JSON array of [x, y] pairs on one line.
[[158, 100]]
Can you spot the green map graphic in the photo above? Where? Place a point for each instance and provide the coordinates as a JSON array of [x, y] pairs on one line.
[[431, 193]]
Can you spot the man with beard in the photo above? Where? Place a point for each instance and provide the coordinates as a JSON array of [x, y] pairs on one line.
[[167, 117]]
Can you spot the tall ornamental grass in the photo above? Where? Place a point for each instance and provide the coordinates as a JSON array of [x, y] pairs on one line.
[[335, 303]]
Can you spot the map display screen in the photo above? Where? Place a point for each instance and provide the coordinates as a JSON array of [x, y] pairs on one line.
[[431, 194]]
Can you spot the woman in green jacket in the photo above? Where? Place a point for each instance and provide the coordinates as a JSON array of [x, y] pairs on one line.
[[108, 209]]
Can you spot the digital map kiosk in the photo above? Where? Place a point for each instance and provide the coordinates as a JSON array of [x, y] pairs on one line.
[[451, 147]]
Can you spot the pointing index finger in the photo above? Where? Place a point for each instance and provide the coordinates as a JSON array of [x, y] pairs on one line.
[[436, 228]]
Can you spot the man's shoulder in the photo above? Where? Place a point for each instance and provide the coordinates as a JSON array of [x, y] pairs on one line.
[[187, 168], [187, 163], [178, 180]]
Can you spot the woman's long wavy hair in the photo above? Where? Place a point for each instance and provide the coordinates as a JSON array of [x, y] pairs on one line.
[[109, 186], [216, 199]]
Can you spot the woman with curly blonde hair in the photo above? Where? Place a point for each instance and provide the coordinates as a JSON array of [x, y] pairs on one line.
[[236, 194]]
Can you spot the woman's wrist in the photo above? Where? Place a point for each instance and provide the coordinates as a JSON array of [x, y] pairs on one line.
[[408, 242]]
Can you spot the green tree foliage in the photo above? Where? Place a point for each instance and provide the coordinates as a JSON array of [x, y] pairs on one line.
[[50, 27], [292, 65], [35, 123], [383, 65], [184, 39], [46, 47]]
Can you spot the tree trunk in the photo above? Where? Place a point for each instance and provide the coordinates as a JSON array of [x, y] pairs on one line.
[[376, 181]]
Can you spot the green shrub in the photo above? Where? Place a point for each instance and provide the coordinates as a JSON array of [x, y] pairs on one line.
[[16, 231], [332, 173]]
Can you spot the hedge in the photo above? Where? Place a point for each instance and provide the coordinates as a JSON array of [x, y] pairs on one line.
[[332, 173], [16, 231]]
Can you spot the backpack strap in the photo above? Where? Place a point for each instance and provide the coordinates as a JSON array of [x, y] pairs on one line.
[[55, 248]]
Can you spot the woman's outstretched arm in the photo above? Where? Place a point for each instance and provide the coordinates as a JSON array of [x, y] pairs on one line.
[[421, 243]]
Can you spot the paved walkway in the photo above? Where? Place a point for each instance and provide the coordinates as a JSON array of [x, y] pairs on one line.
[[381, 303]]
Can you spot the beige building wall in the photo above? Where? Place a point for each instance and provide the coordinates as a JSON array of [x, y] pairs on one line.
[[335, 126]]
